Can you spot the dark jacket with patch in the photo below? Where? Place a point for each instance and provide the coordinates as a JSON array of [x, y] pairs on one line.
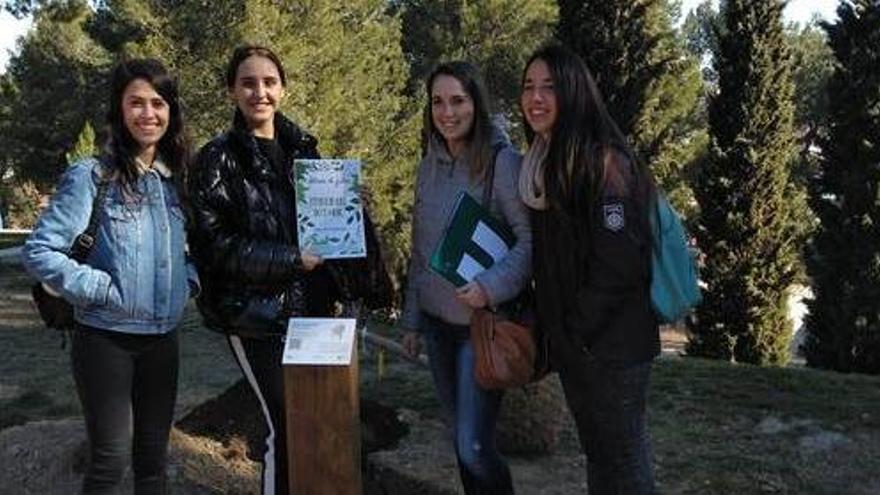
[[244, 240], [593, 297]]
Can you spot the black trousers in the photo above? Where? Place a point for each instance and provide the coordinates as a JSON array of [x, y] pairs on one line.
[[608, 403], [127, 385], [260, 362]]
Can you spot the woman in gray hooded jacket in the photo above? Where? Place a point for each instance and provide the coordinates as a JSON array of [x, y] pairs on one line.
[[460, 143]]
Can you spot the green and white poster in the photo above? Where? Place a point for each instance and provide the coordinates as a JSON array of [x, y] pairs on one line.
[[329, 214]]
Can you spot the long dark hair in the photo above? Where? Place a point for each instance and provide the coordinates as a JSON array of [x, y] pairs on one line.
[[584, 139], [478, 152], [121, 148]]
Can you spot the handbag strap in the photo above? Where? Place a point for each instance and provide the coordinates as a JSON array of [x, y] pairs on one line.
[[84, 242], [487, 195], [490, 177]]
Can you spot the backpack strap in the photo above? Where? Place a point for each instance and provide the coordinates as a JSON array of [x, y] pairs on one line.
[[85, 241]]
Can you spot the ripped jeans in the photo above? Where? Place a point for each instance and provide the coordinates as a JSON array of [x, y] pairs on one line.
[[474, 411]]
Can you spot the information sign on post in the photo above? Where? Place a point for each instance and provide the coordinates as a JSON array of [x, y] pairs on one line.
[[322, 406]]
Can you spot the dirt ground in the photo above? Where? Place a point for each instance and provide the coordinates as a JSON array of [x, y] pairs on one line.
[[217, 436]]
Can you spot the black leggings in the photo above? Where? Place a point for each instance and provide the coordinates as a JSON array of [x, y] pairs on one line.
[[260, 362], [125, 380]]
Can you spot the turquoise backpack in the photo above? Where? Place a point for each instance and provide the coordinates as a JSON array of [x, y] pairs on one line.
[[674, 288]]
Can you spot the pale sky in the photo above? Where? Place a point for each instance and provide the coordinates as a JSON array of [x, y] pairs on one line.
[[797, 10], [10, 29]]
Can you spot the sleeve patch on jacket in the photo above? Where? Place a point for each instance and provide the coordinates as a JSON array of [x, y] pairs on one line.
[[612, 216]]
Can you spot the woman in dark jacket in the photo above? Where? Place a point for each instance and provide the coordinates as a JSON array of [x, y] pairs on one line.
[[244, 239], [590, 200]]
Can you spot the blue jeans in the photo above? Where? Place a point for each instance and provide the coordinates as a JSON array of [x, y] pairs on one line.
[[474, 411], [608, 402]]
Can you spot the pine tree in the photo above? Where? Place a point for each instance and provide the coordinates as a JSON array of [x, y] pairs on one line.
[[496, 35], [752, 217], [84, 146], [812, 63], [59, 81], [649, 81], [843, 326], [349, 88], [812, 66], [346, 66], [347, 79], [8, 98], [202, 43]]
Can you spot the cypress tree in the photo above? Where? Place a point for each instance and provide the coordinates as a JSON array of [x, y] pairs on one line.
[[843, 326], [648, 79], [752, 216]]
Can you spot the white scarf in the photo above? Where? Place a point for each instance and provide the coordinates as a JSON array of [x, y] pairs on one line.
[[531, 175]]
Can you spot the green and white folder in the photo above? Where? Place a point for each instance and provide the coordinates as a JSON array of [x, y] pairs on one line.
[[473, 241]]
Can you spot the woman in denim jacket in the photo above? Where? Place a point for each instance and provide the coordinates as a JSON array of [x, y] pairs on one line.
[[460, 143], [130, 294]]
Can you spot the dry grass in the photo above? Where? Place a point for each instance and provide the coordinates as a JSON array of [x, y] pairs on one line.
[[717, 428]]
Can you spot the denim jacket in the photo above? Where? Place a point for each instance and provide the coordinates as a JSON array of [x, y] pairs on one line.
[[137, 277]]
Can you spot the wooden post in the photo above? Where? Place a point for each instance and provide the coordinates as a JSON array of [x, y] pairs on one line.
[[323, 428]]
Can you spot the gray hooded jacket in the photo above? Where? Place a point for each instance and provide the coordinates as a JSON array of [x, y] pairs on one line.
[[440, 179]]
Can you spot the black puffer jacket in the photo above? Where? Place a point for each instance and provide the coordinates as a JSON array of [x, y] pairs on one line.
[[243, 238]]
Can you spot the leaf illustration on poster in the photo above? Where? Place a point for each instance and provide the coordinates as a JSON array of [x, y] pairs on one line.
[[329, 212]]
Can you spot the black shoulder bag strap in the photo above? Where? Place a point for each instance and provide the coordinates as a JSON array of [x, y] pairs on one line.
[[83, 243]]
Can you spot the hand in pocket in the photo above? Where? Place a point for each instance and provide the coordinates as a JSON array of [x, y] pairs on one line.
[[114, 298]]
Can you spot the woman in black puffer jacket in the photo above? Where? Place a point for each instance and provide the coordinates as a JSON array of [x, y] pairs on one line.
[[244, 240]]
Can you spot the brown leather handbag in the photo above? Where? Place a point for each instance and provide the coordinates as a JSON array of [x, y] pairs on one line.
[[508, 351]]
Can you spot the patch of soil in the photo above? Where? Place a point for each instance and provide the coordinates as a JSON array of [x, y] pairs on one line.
[[235, 418], [213, 449], [49, 458], [42, 457]]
